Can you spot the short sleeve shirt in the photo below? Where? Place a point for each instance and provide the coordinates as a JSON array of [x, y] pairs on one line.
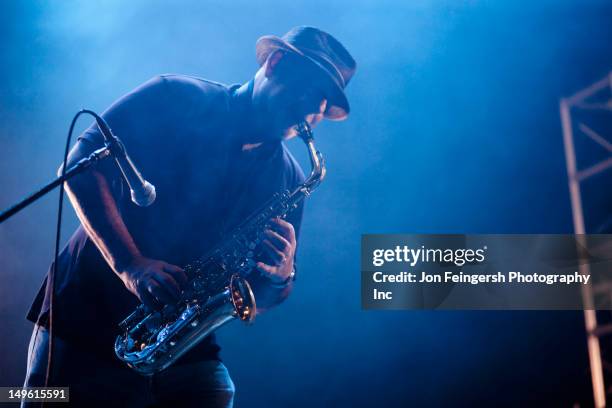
[[185, 135]]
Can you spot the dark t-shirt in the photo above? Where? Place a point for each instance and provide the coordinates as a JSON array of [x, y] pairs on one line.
[[185, 135]]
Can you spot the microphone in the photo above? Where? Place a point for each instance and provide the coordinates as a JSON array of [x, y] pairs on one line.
[[142, 192]]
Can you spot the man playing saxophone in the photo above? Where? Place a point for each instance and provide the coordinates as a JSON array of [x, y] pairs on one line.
[[215, 153]]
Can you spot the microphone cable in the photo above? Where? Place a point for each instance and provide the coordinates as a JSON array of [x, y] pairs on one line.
[[50, 288]]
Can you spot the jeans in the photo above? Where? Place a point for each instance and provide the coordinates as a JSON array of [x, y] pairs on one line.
[[96, 382]]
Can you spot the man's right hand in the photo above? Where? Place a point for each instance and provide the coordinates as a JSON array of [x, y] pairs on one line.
[[155, 283]]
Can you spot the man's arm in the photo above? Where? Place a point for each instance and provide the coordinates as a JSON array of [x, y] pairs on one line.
[[152, 281], [135, 115]]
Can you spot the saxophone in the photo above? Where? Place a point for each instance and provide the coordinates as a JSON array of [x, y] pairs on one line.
[[218, 290]]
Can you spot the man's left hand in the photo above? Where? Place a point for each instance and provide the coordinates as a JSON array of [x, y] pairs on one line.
[[279, 245]]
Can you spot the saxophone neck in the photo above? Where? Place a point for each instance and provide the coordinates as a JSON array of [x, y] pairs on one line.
[[316, 158]]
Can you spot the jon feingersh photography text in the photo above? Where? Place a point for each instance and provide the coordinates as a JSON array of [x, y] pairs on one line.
[[412, 256]]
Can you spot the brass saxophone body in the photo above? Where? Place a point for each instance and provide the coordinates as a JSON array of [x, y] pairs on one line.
[[217, 291]]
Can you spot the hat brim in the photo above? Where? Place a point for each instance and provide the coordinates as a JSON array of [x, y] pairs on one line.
[[337, 103]]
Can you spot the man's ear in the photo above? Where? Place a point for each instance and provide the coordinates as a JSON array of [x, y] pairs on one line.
[[272, 62]]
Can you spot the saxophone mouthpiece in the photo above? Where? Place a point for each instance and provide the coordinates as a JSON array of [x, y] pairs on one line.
[[304, 131]]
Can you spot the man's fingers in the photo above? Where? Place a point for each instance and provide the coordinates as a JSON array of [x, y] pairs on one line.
[[177, 273], [168, 283], [160, 293], [267, 270], [155, 282], [148, 300], [277, 256], [279, 241], [146, 297], [284, 228]]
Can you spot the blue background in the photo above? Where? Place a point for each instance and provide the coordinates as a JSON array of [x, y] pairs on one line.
[[454, 129]]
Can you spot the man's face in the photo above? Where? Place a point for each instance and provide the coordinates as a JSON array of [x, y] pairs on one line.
[[291, 92]]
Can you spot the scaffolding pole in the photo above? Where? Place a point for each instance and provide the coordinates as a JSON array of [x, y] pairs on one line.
[[575, 178]]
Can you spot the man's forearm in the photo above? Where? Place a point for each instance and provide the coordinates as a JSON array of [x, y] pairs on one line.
[[153, 281], [97, 210]]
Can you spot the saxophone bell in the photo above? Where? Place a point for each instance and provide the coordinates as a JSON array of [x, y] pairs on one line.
[[243, 299]]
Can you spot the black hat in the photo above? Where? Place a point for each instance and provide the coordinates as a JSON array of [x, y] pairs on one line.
[[325, 52]]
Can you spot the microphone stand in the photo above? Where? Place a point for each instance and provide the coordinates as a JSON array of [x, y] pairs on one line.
[[79, 167]]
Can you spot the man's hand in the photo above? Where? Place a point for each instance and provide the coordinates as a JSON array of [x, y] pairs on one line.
[[154, 282], [280, 246]]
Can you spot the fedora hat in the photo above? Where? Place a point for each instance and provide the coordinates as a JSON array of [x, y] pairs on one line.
[[325, 52]]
